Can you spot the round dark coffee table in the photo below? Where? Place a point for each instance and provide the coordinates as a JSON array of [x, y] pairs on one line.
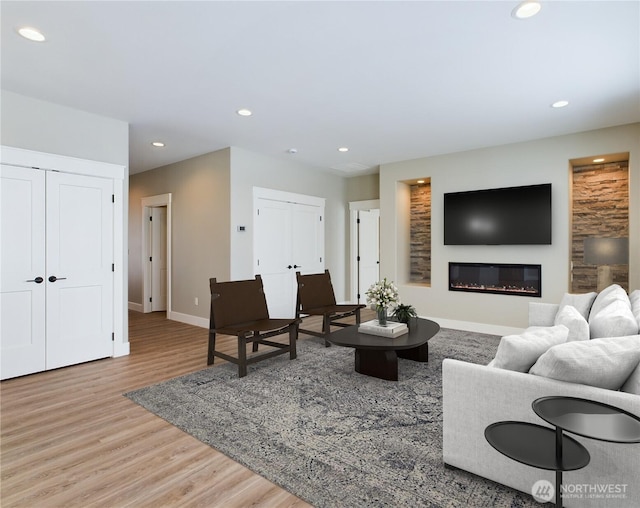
[[378, 356]]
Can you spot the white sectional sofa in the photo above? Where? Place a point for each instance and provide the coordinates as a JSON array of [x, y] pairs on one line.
[[475, 396]]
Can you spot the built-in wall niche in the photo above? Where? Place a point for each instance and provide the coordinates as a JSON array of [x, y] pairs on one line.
[[420, 231], [599, 222]]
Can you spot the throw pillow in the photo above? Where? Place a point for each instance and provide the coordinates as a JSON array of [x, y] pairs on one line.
[[611, 314], [634, 298], [632, 384], [582, 302], [574, 321], [607, 295], [520, 352], [606, 363]]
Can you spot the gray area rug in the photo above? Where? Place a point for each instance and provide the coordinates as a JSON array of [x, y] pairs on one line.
[[331, 436]]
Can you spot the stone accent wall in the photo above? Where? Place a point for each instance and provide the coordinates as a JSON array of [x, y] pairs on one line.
[[420, 233], [600, 208]]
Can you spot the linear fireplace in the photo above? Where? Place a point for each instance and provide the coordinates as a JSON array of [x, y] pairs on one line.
[[503, 279]]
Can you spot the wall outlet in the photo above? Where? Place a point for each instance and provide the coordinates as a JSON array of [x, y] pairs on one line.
[[195, 300]]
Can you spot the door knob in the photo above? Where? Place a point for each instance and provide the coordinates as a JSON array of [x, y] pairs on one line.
[[297, 266], [37, 280], [289, 267], [53, 278]]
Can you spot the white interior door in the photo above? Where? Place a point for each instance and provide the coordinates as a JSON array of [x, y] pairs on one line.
[[368, 250], [307, 239], [288, 237], [79, 279], [273, 255], [158, 242], [22, 280]]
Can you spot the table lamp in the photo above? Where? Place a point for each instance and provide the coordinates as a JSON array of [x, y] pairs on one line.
[[605, 252]]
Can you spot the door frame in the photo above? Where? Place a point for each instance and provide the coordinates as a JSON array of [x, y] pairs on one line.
[[40, 160], [354, 208], [148, 203]]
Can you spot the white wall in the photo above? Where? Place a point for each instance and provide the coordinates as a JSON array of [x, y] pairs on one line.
[[51, 128], [250, 170], [46, 127], [540, 161]]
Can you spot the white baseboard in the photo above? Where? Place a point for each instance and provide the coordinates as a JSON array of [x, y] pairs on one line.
[[138, 307], [469, 326], [176, 316], [189, 319]]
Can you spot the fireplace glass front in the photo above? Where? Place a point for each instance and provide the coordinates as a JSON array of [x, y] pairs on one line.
[[504, 279]]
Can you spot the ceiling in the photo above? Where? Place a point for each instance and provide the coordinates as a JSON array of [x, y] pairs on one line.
[[390, 80]]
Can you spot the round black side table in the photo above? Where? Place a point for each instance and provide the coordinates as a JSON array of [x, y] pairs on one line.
[[550, 449], [586, 418], [538, 446]]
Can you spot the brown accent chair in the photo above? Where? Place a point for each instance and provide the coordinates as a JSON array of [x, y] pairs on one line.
[[240, 308], [317, 298]]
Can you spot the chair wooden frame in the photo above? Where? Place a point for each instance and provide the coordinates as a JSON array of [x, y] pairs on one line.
[[317, 298], [240, 308]]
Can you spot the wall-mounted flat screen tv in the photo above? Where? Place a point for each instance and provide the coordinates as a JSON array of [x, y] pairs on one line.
[[506, 216]]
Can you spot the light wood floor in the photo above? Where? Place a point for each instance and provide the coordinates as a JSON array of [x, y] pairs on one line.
[[70, 438]]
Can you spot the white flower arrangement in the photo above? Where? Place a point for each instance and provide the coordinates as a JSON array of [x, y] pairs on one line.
[[383, 294]]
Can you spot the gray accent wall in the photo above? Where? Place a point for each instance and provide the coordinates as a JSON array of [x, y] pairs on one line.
[[200, 247], [211, 196]]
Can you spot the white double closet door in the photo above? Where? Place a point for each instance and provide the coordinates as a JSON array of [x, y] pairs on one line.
[[288, 238], [57, 272]]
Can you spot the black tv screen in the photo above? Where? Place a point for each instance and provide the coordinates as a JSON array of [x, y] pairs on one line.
[[507, 216]]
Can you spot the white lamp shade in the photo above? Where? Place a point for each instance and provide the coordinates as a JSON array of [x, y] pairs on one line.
[[606, 251]]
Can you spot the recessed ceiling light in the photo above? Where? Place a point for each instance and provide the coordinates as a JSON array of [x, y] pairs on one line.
[[343, 149], [33, 34], [420, 181], [560, 104], [526, 9], [598, 160], [292, 150], [158, 144], [244, 112]]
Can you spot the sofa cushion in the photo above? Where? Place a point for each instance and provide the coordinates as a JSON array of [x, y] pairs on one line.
[[606, 362], [611, 314], [574, 321], [520, 352], [634, 298], [582, 302], [632, 384]]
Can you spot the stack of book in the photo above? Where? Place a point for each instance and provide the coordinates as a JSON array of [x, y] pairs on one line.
[[391, 330]]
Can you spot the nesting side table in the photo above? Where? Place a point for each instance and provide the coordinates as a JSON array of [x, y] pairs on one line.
[[545, 448]]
